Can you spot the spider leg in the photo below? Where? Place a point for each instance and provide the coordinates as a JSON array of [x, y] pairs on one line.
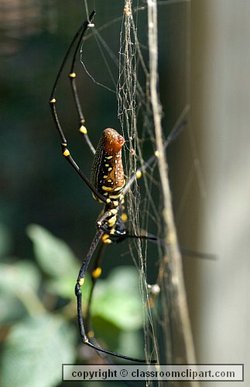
[[153, 238], [72, 76], [64, 143], [77, 39], [78, 293], [95, 275], [185, 252], [171, 137]]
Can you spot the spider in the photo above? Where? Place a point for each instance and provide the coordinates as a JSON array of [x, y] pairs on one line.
[[107, 184]]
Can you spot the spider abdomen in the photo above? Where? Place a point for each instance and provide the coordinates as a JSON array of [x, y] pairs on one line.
[[107, 170]]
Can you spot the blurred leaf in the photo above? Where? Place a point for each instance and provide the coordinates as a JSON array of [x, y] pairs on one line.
[[65, 286], [110, 336], [106, 333], [131, 342], [19, 277], [118, 299], [19, 282], [35, 351], [11, 308], [53, 254]]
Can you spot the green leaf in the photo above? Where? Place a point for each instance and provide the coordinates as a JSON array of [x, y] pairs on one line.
[[53, 254], [118, 299], [131, 342], [35, 351], [65, 286], [19, 277], [18, 282], [11, 309]]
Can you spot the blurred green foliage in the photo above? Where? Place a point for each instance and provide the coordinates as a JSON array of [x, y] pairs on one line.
[[38, 312]]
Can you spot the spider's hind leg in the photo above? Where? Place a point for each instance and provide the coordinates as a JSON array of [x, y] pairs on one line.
[[90, 341], [95, 275]]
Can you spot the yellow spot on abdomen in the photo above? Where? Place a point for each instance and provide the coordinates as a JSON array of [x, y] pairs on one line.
[[114, 196], [105, 188]]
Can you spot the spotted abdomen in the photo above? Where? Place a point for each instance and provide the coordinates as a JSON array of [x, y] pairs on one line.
[[107, 171]]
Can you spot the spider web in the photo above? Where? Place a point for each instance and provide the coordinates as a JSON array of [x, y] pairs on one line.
[[145, 200], [132, 103]]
